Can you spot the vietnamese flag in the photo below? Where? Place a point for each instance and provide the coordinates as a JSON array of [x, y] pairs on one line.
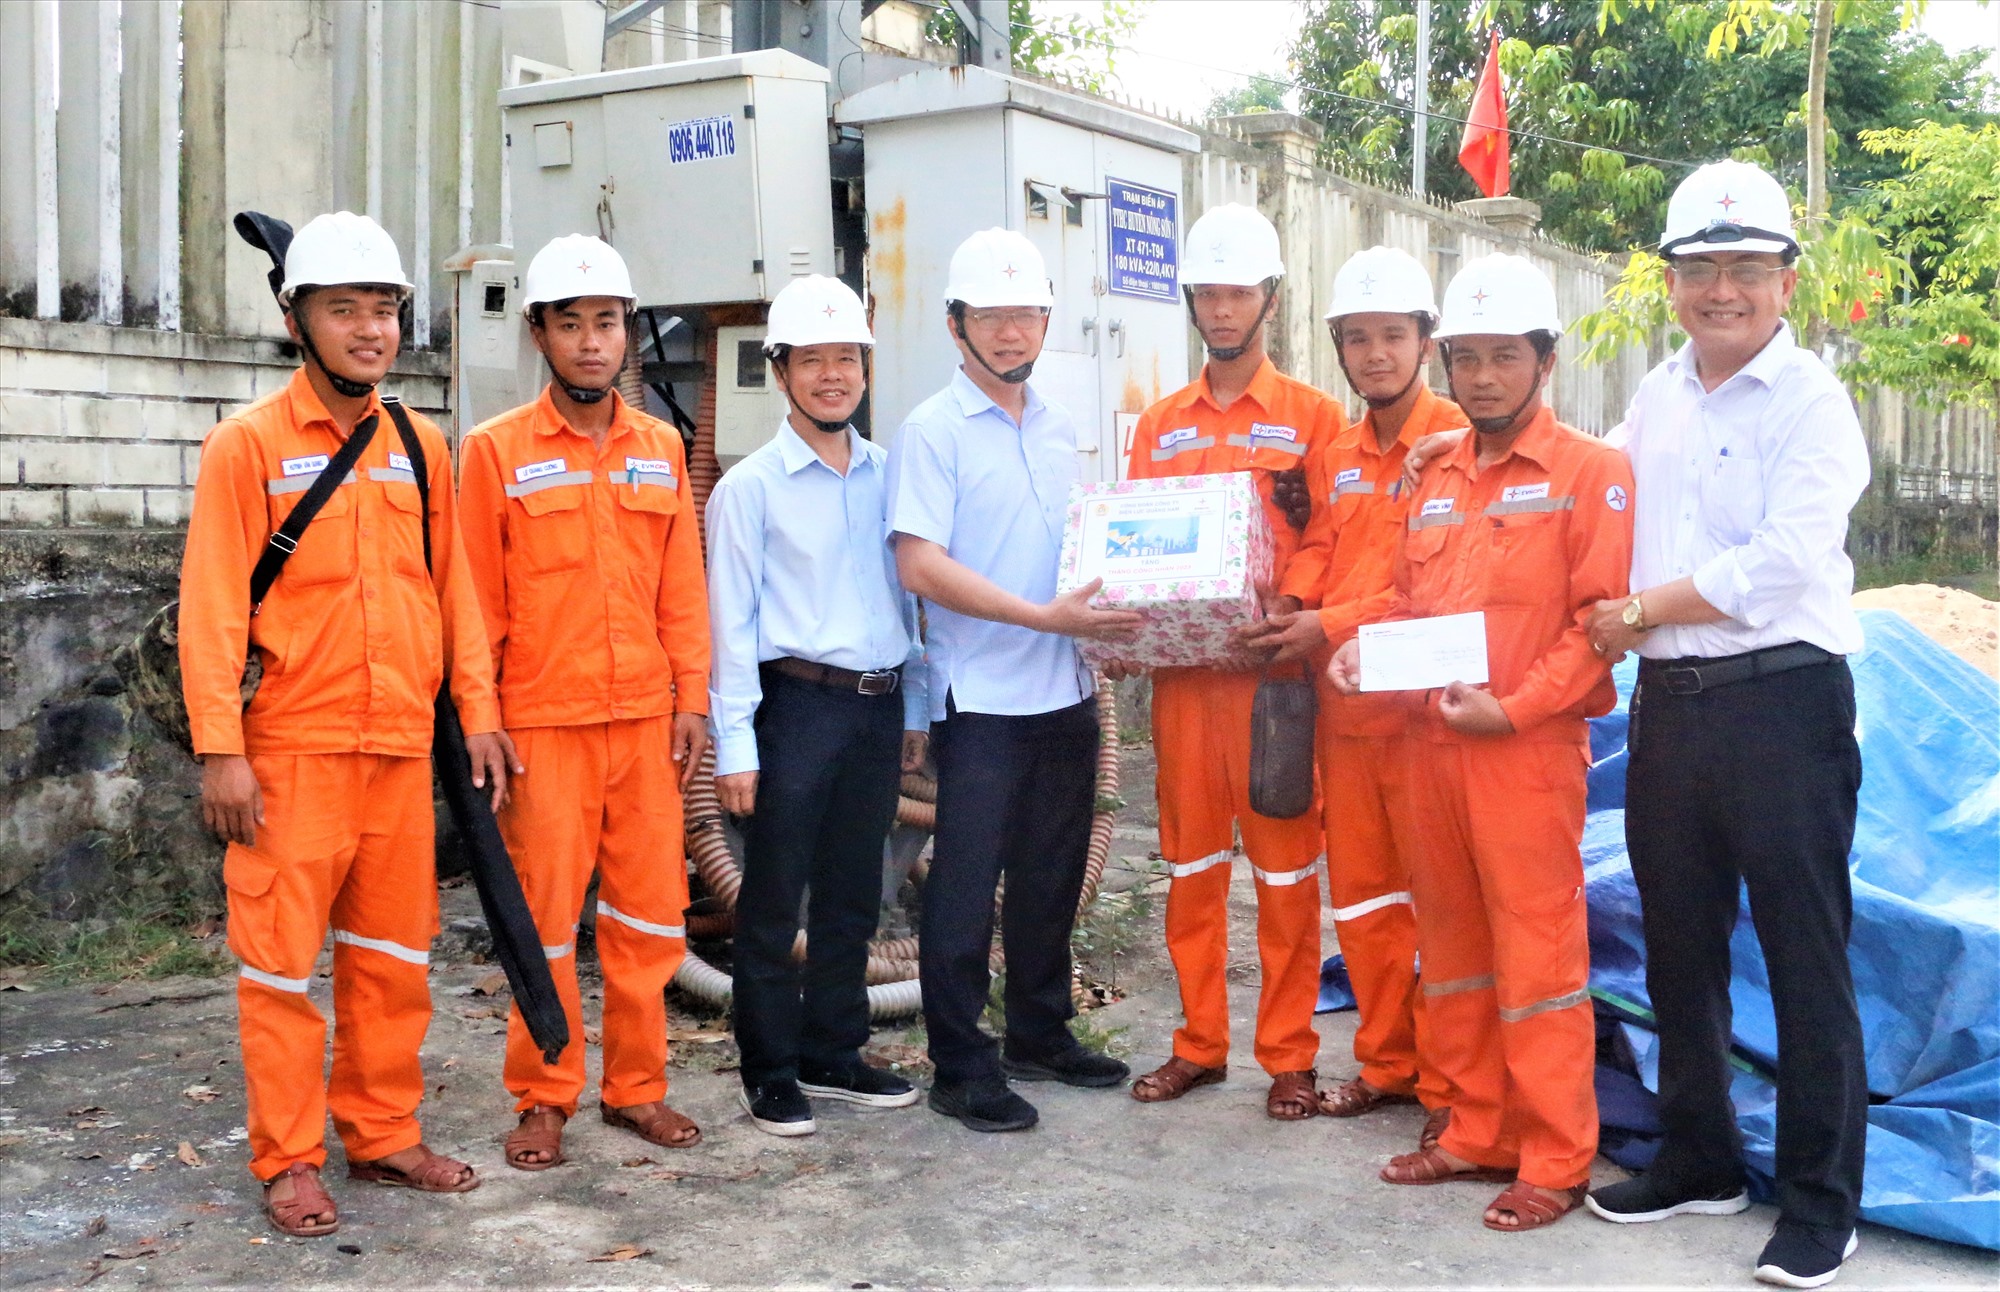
[[1483, 149]]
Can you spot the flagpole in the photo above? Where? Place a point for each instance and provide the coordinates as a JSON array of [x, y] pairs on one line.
[[1419, 155]]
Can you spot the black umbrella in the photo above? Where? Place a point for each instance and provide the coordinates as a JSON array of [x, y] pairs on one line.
[[516, 942]]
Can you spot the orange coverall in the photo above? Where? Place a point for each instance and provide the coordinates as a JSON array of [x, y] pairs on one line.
[[1534, 540], [1346, 567], [354, 638], [1201, 736], [588, 565]]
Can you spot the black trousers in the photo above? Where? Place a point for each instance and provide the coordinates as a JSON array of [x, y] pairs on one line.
[[826, 793], [1015, 799], [1753, 783]]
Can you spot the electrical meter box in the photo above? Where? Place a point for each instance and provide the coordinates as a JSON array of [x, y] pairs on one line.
[[748, 402], [1096, 188], [495, 366], [710, 176]]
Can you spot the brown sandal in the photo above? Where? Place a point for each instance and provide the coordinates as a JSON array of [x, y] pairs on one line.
[[1175, 1078], [540, 1131], [1353, 1098], [1531, 1208], [436, 1173], [1428, 1166], [655, 1123], [309, 1198], [1436, 1122], [1294, 1096]]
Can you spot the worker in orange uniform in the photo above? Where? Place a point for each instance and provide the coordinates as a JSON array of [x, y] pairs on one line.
[[1383, 313], [322, 784], [1240, 414], [1527, 522], [581, 533]]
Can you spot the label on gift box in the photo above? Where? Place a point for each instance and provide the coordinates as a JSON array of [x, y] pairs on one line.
[[1147, 537]]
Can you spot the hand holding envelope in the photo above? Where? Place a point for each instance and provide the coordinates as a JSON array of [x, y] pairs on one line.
[[1423, 654]]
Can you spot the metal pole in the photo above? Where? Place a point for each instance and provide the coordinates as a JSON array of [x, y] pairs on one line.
[[1419, 154]]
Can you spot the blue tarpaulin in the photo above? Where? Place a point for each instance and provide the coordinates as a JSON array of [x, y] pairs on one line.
[[1925, 948]]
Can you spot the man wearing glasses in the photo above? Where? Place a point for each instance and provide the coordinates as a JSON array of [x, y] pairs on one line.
[[979, 482], [1747, 458]]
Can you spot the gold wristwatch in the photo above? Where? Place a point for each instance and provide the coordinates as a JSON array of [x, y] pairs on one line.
[[1635, 615]]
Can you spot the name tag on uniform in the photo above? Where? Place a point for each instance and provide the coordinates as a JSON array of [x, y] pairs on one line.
[[536, 470], [1170, 438], [650, 467], [305, 466], [1524, 493], [1439, 506], [1349, 476], [1267, 431], [399, 462]]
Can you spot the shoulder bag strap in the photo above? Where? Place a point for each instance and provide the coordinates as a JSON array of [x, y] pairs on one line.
[[286, 540], [413, 448]]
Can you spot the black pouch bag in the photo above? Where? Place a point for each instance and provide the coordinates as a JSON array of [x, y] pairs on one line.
[[1281, 746]]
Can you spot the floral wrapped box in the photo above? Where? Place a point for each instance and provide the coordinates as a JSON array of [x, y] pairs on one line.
[[1189, 551]]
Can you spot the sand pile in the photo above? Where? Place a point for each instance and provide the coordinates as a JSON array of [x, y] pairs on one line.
[[1964, 623]]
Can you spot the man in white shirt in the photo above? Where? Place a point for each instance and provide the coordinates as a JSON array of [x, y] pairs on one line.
[[815, 688], [979, 482], [1747, 458]]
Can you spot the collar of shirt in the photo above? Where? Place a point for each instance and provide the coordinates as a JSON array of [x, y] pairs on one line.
[[305, 407], [972, 401], [1415, 426], [1262, 390], [797, 455], [548, 421], [1763, 368], [1536, 443]]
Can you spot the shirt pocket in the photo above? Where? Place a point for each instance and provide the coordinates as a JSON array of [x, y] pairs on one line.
[[406, 535], [1528, 567], [651, 509], [553, 534], [326, 551], [1733, 503], [1425, 545]]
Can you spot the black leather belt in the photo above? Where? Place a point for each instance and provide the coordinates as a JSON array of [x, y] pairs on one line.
[[1694, 674], [880, 681]]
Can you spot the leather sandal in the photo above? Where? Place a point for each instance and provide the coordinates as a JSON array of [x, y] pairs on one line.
[[1175, 1078], [1532, 1208], [309, 1198], [1353, 1098], [1429, 1166], [655, 1123], [436, 1173], [1436, 1122], [540, 1131], [1294, 1096]]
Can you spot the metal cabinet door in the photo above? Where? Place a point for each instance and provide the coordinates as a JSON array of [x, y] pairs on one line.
[[1044, 159], [1142, 322]]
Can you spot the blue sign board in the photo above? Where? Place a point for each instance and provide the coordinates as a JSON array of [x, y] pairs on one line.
[[1144, 241]]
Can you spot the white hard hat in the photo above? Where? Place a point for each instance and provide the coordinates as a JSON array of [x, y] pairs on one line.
[[1231, 245], [1502, 295], [816, 310], [1724, 206], [341, 249], [998, 267], [1383, 280], [574, 265]]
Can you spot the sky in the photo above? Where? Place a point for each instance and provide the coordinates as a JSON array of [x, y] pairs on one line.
[[1186, 51]]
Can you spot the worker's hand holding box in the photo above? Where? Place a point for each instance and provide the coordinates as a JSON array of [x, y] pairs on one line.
[[1189, 551]]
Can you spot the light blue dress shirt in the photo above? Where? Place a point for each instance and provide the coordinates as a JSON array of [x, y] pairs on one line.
[[797, 566], [995, 496]]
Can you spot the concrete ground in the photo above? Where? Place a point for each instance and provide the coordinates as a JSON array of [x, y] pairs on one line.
[[122, 1156]]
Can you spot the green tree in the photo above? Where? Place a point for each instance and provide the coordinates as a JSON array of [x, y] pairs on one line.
[[1588, 84], [1071, 47], [1259, 94]]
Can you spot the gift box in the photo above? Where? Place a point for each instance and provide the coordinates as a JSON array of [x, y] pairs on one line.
[[1189, 551]]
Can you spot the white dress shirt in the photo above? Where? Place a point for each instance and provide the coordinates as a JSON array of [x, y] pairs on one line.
[[995, 496], [1747, 488], [797, 566]]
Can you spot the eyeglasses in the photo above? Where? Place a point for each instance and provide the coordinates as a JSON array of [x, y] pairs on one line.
[[1705, 273], [997, 319]]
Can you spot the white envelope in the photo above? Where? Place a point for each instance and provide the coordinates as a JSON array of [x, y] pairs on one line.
[[1420, 654]]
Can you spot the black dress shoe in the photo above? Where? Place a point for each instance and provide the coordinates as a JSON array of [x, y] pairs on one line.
[[778, 1108], [857, 1083], [984, 1104], [1075, 1066]]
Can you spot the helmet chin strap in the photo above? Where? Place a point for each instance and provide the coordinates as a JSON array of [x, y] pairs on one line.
[[1375, 401], [585, 395], [1223, 354], [1494, 425], [346, 386], [819, 424], [1013, 376]]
